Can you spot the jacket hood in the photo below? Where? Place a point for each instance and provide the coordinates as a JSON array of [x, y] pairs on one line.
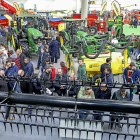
[[64, 68], [12, 64], [14, 56], [83, 66]]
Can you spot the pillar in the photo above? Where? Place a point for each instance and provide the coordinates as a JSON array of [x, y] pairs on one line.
[[84, 9], [77, 6]]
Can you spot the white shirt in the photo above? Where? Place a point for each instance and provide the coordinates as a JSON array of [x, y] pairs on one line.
[[114, 41]]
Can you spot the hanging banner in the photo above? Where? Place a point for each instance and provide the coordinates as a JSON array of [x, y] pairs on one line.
[[116, 7], [17, 8], [22, 5], [35, 8], [104, 5]]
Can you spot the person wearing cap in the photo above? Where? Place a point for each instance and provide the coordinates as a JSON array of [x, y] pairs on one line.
[[54, 49], [85, 93], [47, 79], [121, 95], [39, 54]]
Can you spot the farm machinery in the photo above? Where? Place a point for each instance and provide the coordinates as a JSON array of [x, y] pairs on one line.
[[27, 33], [94, 49]]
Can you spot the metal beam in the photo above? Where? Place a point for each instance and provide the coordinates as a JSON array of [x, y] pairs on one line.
[[67, 102]]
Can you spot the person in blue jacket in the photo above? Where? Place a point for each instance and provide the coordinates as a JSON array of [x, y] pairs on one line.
[[108, 62], [42, 60], [54, 49], [105, 93], [2, 32], [60, 86], [39, 54], [11, 70], [28, 69], [131, 75]]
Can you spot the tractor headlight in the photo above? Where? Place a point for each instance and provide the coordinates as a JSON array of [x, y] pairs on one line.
[[35, 37], [41, 37]]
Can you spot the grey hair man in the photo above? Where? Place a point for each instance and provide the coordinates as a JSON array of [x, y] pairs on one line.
[[21, 57]]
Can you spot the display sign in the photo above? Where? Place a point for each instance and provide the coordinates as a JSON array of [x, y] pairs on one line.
[[35, 8], [104, 5], [116, 7], [17, 8], [22, 5]]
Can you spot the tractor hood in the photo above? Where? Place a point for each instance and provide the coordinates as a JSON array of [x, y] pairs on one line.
[[35, 32]]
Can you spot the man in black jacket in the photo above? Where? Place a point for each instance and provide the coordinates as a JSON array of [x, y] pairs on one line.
[[42, 60], [21, 57], [60, 83], [46, 80], [72, 89], [26, 87]]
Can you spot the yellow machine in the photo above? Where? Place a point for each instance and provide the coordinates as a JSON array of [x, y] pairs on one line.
[[118, 64]]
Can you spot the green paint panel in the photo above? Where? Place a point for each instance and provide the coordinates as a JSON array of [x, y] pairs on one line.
[[35, 32], [128, 31]]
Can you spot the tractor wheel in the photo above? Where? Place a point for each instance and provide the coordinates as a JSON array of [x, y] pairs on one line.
[[25, 48], [3, 40], [93, 30], [96, 78]]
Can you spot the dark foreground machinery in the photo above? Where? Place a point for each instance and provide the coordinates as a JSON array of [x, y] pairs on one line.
[[65, 122]]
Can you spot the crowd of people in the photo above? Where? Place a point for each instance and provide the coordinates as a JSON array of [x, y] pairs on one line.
[[16, 64], [134, 22]]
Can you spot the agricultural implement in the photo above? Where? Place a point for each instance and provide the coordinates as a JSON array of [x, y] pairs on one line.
[[77, 43]]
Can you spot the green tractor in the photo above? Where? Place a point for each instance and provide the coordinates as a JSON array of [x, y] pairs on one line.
[[27, 33]]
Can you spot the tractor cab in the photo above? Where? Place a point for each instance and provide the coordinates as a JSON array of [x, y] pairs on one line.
[[74, 25]]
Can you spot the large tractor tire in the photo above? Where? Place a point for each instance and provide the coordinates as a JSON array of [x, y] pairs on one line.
[[25, 48], [3, 40], [93, 30]]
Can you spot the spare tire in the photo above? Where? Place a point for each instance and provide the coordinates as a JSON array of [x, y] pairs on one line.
[[25, 48], [93, 30]]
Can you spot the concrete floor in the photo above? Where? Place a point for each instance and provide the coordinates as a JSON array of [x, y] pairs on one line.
[[8, 135]]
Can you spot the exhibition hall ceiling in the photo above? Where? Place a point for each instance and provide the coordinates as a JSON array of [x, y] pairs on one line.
[[69, 4]]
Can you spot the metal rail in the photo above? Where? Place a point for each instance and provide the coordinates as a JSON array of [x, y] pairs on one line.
[[67, 102]]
